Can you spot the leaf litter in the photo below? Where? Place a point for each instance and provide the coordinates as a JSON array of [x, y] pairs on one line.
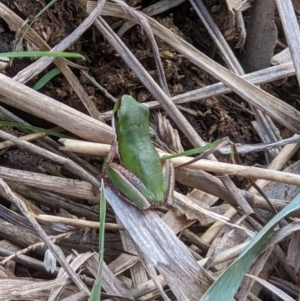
[[51, 184]]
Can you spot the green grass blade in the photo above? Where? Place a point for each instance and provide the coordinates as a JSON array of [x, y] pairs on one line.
[[96, 291], [33, 128], [46, 78], [42, 53], [228, 283], [197, 150]]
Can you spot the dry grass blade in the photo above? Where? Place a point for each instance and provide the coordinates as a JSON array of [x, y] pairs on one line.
[[255, 270], [162, 248], [110, 282], [163, 135], [281, 234], [292, 33], [72, 166], [272, 288], [32, 247], [151, 10], [75, 264], [55, 251], [17, 94], [70, 187], [28, 289], [280, 111], [217, 37], [259, 77], [183, 203], [242, 149], [209, 165], [77, 223], [145, 25]]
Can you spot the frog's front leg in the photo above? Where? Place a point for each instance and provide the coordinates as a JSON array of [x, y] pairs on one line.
[[110, 156]]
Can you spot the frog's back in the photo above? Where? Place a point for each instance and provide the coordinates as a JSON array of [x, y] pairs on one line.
[[135, 146]]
